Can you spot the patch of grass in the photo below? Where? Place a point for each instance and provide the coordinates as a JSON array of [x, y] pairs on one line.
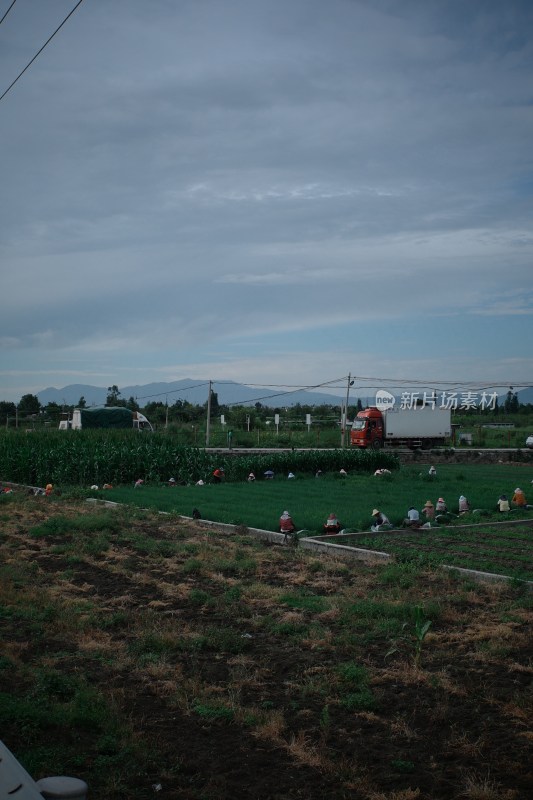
[[403, 766], [226, 640], [199, 597], [305, 601], [213, 712], [352, 675], [61, 526], [361, 700], [403, 575], [238, 566], [193, 566], [152, 647]]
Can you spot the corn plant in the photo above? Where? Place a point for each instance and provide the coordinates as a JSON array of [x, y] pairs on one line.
[[413, 636]]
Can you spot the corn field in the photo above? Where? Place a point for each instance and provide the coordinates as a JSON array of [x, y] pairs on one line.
[[82, 458]]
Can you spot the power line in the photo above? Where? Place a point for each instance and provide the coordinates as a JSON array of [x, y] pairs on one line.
[[173, 391], [340, 383], [430, 383], [282, 385], [8, 10], [291, 389], [283, 394], [42, 48]]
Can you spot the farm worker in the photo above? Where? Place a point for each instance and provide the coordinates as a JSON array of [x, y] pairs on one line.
[[218, 474], [441, 507], [503, 503], [429, 510], [318, 473], [49, 489], [519, 499], [332, 524], [380, 521], [138, 483], [251, 477], [343, 473], [291, 475], [432, 472], [413, 518], [464, 505], [286, 525], [107, 486], [196, 514], [382, 472], [269, 475], [172, 481], [200, 483]]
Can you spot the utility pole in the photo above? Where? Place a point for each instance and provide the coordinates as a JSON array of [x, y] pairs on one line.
[[344, 416], [208, 421]]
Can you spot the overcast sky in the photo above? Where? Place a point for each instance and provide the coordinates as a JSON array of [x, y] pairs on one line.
[[266, 191]]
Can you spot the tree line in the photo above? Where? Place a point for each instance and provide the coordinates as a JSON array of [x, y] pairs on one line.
[[245, 417]]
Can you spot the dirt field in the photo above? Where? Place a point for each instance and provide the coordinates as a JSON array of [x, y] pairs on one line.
[[240, 670]]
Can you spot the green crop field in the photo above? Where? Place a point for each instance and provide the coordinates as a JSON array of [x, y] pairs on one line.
[[311, 499]]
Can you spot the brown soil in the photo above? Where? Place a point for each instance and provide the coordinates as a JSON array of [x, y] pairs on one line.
[[458, 725]]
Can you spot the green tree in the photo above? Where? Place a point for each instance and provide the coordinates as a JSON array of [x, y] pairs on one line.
[[238, 416], [113, 397], [183, 411], [215, 405], [511, 404], [53, 410], [29, 404], [6, 410], [156, 412], [82, 402]]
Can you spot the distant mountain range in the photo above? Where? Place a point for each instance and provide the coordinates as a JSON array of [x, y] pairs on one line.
[[228, 392], [191, 391]]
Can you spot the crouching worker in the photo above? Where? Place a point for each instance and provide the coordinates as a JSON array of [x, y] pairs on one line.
[[380, 522], [503, 503], [518, 500], [332, 525], [218, 475], [286, 525], [412, 519], [429, 510]]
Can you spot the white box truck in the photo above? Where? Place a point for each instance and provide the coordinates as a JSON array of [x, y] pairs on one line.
[[417, 427]]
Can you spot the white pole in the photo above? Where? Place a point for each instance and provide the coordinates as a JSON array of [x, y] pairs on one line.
[[208, 422], [345, 420]]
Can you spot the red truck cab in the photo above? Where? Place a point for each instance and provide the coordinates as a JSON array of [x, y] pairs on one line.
[[367, 429]]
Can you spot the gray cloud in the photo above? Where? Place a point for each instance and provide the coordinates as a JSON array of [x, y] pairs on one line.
[[180, 170]]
